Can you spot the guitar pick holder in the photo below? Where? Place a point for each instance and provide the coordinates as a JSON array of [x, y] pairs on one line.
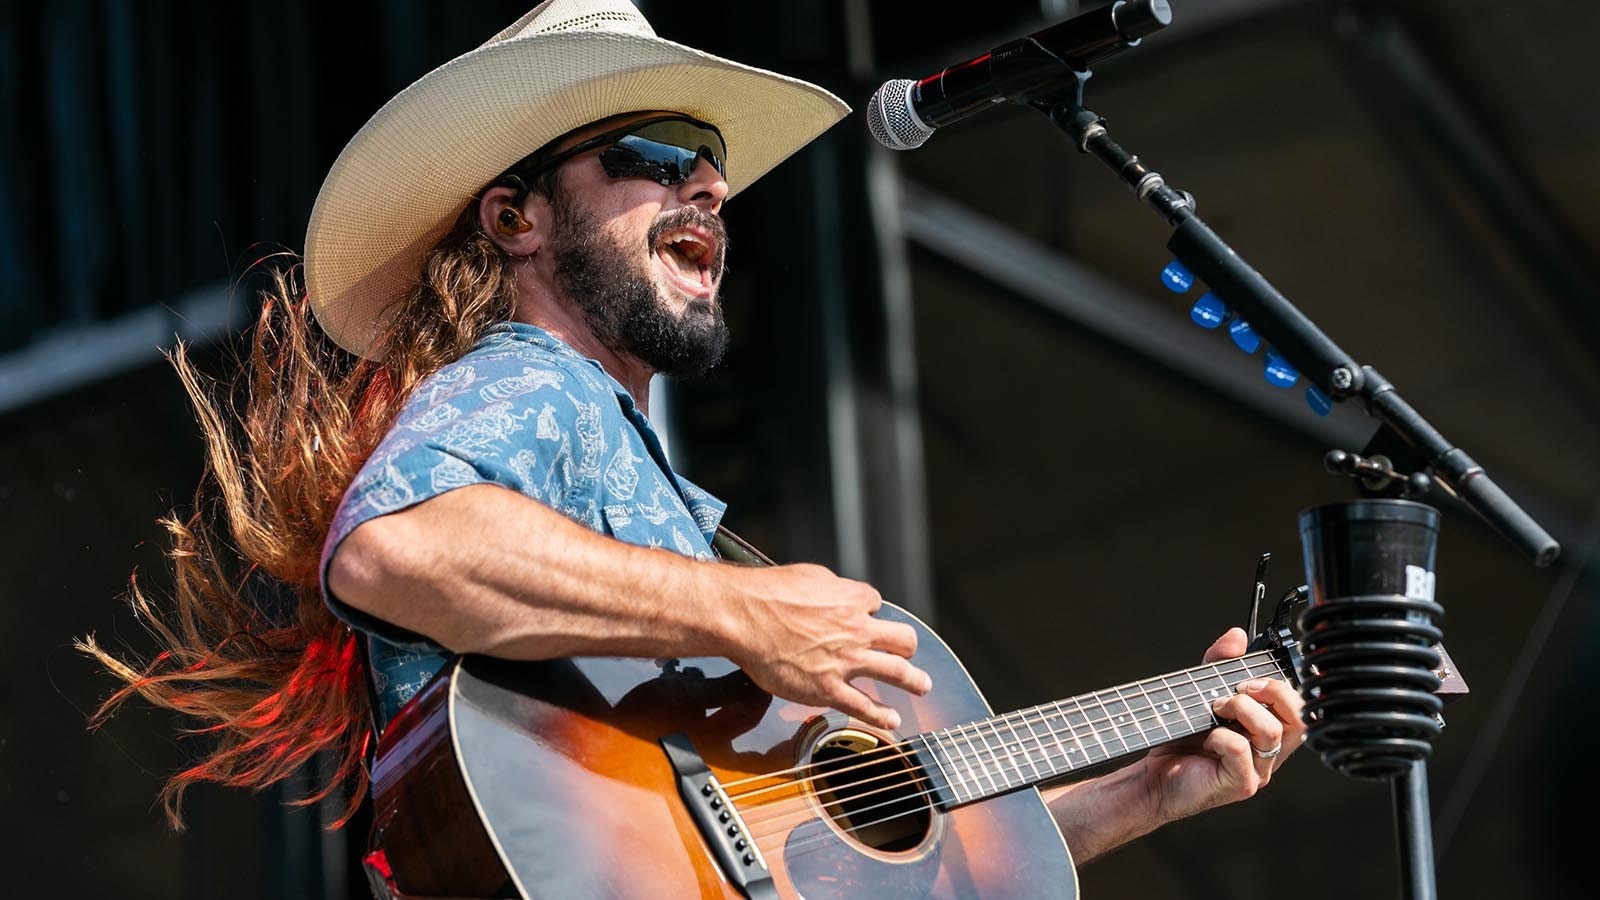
[[1369, 633]]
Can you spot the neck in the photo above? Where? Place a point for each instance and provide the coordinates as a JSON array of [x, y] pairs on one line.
[[567, 324], [1020, 749]]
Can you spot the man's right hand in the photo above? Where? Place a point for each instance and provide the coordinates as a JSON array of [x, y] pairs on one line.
[[803, 633]]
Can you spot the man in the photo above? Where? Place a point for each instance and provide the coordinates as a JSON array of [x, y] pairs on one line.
[[512, 498]]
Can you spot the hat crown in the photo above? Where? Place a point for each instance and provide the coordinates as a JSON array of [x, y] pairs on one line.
[[551, 16]]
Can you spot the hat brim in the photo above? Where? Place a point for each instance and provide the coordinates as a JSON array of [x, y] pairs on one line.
[[401, 182]]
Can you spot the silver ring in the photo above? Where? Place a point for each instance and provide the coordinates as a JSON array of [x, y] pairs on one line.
[[1268, 754]]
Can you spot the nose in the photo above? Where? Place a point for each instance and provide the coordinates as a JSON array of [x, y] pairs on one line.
[[706, 188]]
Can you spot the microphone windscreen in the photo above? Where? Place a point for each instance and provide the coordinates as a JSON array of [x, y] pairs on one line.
[[891, 119]]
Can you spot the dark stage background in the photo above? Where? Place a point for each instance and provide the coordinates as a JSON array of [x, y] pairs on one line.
[[954, 374]]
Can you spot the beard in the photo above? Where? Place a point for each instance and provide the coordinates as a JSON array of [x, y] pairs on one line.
[[619, 300]]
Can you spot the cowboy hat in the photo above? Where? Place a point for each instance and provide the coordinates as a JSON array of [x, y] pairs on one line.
[[405, 177]]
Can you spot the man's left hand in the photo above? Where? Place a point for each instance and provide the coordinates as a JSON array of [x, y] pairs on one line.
[[1231, 762]]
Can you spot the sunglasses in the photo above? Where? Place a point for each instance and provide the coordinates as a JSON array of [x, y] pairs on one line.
[[664, 150]]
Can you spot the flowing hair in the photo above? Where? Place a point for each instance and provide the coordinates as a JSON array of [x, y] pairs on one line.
[[283, 441]]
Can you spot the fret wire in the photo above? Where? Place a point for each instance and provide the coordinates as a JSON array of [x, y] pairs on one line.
[[1202, 698], [957, 761], [984, 767], [933, 751], [1128, 718], [1116, 730], [1036, 715], [994, 723], [1039, 742], [1129, 715], [1092, 731], [1021, 742], [1199, 696], [983, 729], [1217, 693], [999, 764], [1176, 700], [1210, 716], [1072, 731], [1145, 690], [1066, 754], [970, 761], [1172, 703], [1224, 690]]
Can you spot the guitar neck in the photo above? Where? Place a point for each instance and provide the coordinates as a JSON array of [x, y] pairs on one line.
[[1019, 749]]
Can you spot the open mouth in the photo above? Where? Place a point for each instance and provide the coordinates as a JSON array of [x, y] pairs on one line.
[[688, 255]]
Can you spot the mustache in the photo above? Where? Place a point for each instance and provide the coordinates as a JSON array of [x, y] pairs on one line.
[[688, 216]]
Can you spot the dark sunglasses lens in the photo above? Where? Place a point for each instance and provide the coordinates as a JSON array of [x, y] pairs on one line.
[[663, 151], [687, 135]]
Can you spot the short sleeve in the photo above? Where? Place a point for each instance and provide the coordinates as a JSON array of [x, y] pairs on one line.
[[491, 418]]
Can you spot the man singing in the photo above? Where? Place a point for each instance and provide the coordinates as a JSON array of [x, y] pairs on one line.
[[447, 446]]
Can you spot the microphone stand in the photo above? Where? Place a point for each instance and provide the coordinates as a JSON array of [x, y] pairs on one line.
[[1404, 435]]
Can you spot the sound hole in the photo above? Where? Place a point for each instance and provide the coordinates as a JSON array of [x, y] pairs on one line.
[[873, 793]]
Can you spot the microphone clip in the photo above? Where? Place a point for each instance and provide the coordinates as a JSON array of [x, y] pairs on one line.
[[1377, 474]]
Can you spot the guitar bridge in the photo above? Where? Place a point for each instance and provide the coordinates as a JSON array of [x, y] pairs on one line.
[[719, 821]]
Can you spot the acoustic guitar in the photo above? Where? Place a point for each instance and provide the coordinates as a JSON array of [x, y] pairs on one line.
[[604, 777]]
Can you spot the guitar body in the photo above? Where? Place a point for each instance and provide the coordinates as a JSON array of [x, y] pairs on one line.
[[548, 780]]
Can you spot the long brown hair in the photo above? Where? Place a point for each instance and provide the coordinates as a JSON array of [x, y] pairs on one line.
[[283, 441]]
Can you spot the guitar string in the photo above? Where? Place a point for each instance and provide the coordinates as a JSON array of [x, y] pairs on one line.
[[824, 839], [771, 808], [1239, 665], [1264, 657], [772, 811], [974, 760]]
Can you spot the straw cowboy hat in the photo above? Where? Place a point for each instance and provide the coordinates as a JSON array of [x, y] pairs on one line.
[[402, 181]]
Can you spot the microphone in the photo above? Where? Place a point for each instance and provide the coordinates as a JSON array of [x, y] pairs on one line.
[[903, 113]]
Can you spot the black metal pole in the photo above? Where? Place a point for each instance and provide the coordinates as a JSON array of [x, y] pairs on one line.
[[1414, 832]]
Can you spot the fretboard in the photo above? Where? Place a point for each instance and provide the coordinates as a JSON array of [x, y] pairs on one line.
[[989, 757]]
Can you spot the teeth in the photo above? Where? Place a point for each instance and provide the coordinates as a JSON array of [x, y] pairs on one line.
[[695, 249]]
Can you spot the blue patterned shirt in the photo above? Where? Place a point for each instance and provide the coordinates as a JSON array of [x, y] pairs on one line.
[[523, 410]]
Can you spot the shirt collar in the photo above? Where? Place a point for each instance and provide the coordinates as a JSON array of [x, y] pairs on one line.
[[706, 509], [533, 334]]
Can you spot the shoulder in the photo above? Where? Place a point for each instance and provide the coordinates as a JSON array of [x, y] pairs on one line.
[[496, 378]]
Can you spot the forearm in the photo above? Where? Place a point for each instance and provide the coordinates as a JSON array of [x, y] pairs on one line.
[[1101, 814], [483, 569]]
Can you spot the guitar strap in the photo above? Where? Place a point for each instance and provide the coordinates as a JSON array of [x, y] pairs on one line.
[[737, 550]]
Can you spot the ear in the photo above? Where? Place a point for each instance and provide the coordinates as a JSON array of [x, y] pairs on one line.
[[518, 230]]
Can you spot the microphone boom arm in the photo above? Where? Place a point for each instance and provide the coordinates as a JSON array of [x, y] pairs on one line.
[[1290, 332]]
